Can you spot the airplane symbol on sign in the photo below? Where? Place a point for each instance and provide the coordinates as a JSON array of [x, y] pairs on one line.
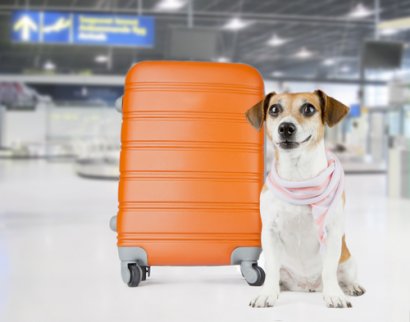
[[26, 25], [59, 25]]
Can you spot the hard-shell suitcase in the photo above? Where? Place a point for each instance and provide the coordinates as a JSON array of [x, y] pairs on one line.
[[191, 168]]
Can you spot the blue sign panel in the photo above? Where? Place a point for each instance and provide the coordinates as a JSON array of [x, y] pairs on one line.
[[82, 28], [354, 110], [26, 26], [120, 30], [56, 27]]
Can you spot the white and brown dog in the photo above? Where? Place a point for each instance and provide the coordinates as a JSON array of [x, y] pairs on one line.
[[294, 258]]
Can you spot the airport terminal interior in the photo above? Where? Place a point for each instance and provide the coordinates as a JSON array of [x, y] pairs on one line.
[[62, 71]]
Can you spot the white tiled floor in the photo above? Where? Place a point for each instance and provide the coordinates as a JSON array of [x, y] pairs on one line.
[[58, 259]]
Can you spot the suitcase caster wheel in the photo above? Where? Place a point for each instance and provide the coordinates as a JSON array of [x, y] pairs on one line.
[[254, 275], [136, 275]]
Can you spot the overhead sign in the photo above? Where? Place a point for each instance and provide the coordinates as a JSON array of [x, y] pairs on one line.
[[26, 26], [49, 27], [56, 27], [395, 24]]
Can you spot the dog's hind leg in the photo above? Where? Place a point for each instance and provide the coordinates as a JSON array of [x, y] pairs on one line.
[[332, 293], [347, 277]]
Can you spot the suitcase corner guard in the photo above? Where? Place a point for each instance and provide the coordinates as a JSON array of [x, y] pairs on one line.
[[245, 254], [134, 261], [248, 257]]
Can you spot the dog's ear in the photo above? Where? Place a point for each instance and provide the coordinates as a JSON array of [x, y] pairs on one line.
[[257, 113], [332, 110]]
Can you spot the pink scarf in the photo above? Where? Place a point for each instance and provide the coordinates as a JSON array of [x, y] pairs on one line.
[[321, 192]]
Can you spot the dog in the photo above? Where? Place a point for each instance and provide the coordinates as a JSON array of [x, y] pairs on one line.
[[303, 252]]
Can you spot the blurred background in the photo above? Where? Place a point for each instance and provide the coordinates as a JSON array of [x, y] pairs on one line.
[[62, 68]]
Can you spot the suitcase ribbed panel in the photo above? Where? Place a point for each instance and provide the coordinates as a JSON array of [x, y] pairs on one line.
[[191, 166]]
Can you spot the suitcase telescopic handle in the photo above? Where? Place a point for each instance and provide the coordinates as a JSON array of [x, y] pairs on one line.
[[118, 104]]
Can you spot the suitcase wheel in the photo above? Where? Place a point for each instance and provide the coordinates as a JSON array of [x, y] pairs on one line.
[[136, 275], [254, 275]]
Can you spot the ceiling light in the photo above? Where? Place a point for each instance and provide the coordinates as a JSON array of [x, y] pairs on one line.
[[277, 73], [223, 59], [236, 24], [345, 69], [49, 65], [101, 59], [360, 11], [170, 5], [276, 41], [329, 62], [303, 53], [84, 91], [388, 32]]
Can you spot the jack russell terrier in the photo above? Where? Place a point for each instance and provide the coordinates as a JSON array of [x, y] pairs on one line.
[[302, 201]]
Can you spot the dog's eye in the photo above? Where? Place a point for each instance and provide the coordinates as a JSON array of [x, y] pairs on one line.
[[275, 109], [307, 109]]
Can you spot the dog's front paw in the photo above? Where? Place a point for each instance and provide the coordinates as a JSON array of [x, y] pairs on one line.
[[265, 300], [353, 289], [336, 300]]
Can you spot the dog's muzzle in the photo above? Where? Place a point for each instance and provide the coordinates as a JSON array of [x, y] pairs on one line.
[[286, 130]]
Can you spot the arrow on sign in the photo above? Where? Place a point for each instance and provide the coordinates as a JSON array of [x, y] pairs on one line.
[[26, 25]]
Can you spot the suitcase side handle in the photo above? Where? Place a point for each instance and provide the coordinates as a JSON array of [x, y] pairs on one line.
[[113, 223], [118, 104]]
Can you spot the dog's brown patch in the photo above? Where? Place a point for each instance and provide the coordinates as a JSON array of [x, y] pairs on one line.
[[256, 115], [345, 255], [333, 111]]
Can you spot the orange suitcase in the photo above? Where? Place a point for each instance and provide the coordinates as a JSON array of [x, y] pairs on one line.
[[191, 168]]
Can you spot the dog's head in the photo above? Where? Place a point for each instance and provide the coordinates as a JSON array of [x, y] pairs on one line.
[[296, 121]]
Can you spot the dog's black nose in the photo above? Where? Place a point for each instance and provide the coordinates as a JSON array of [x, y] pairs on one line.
[[286, 130]]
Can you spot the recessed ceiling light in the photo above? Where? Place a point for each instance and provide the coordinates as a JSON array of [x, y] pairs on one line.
[[223, 59], [329, 62], [345, 69], [276, 41], [101, 59], [236, 23], [277, 73], [360, 11], [49, 65], [303, 53], [170, 5]]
